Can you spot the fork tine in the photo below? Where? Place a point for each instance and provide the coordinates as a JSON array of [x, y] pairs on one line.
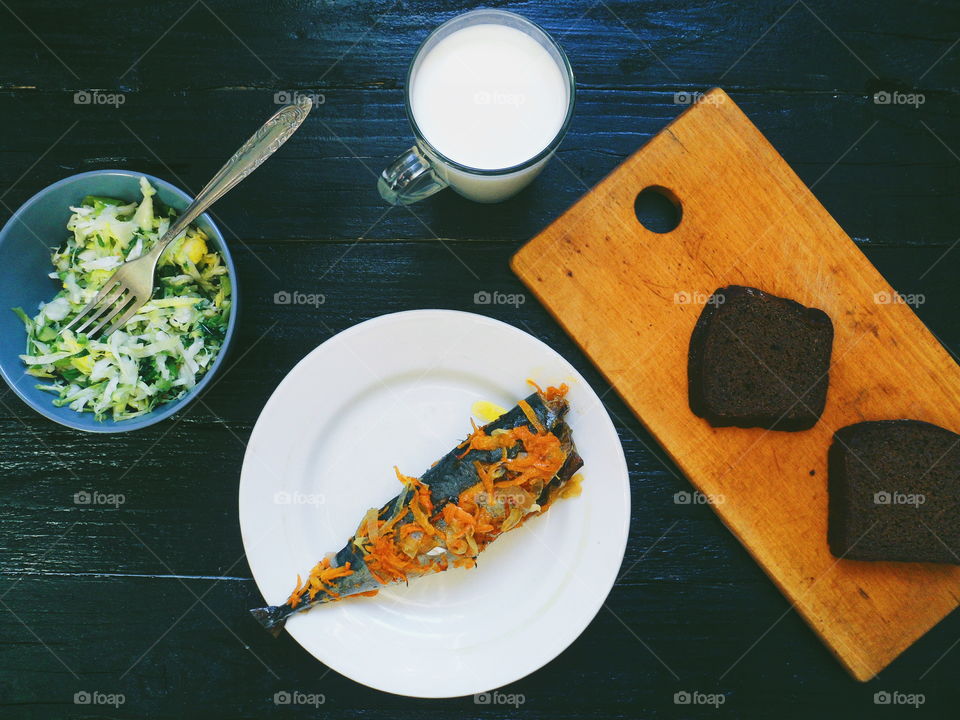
[[104, 305], [131, 311], [111, 283], [108, 286], [120, 306]]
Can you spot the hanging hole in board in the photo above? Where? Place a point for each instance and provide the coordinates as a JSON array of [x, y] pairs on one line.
[[658, 209]]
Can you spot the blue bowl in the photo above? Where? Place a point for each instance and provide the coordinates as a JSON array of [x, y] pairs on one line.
[[25, 245]]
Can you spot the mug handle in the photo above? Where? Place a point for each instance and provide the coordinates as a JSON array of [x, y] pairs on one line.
[[409, 179]]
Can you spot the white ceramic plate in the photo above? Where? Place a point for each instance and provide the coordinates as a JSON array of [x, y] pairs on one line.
[[398, 390]]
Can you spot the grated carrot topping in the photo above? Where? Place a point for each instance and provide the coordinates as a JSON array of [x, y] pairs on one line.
[[420, 504], [553, 393], [320, 579], [486, 473], [457, 518], [479, 440], [542, 458], [294, 598], [531, 416], [410, 528], [387, 562]]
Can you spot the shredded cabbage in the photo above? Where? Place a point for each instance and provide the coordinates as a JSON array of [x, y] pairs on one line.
[[165, 348]]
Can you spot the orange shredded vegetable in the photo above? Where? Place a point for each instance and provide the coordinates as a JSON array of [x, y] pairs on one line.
[[542, 458], [531, 416], [551, 393], [479, 440], [486, 473], [294, 598], [387, 562], [320, 579]]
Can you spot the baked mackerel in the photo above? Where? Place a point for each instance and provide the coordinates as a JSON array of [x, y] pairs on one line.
[[503, 473]]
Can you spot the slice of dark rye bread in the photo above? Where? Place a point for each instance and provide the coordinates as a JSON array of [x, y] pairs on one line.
[[895, 492], [758, 360]]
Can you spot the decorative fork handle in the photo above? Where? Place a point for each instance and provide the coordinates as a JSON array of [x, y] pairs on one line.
[[251, 155]]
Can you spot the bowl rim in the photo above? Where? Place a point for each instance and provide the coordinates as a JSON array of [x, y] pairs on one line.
[[85, 421]]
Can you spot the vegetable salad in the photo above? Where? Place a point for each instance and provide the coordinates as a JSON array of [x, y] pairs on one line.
[[163, 350]]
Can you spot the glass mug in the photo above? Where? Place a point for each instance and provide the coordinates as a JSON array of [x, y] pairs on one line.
[[489, 97]]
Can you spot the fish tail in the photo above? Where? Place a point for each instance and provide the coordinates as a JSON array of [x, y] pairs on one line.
[[272, 617]]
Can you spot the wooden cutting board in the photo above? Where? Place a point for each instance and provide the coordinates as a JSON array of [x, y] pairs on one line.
[[630, 298]]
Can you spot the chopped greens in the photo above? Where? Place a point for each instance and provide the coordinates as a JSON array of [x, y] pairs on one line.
[[165, 348]]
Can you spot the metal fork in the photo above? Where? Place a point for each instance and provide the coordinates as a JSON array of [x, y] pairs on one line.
[[126, 291]]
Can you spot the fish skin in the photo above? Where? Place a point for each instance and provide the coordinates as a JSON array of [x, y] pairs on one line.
[[446, 479]]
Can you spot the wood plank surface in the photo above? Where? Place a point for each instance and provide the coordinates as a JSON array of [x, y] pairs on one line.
[[83, 599], [630, 297]]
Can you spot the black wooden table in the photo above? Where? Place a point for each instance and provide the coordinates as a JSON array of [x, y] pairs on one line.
[[150, 600]]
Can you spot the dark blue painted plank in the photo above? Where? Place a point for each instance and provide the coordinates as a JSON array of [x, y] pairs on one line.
[[89, 591]]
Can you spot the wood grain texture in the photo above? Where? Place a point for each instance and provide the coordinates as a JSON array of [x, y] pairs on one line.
[[691, 609], [897, 174], [631, 297]]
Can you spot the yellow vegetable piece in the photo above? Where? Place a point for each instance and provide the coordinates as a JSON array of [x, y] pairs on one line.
[[487, 411], [573, 488], [83, 364], [193, 249], [98, 277]]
